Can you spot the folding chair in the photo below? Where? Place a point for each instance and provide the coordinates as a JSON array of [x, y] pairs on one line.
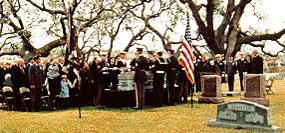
[[269, 85], [25, 94], [44, 99], [8, 96], [1, 97]]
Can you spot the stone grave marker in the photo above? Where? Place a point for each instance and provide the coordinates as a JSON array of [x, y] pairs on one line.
[[245, 115], [279, 76], [211, 89], [255, 89]]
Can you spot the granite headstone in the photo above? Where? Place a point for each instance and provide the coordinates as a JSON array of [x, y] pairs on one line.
[[211, 89], [255, 89], [245, 115]]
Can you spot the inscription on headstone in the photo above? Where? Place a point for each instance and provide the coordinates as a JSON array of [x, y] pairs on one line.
[[255, 89], [244, 114], [211, 89], [252, 86]]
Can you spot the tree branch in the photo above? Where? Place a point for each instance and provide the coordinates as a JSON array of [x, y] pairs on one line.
[[47, 10], [44, 51], [253, 38], [134, 38]]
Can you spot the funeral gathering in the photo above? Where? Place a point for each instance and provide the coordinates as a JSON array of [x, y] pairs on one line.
[[52, 84], [142, 66]]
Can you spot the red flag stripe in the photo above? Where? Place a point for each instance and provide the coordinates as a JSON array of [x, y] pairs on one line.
[[188, 54], [189, 75], [186, 57], [188, 47], [186, 65], [186, 60]]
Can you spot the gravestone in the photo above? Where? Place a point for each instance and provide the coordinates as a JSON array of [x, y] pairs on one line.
[[211, 89], [278, 76], [255, 89], [244, 114]]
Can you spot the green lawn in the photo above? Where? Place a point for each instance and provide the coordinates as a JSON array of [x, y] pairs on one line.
[[179, 118]]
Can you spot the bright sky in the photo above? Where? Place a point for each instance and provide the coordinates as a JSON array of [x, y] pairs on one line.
[[274, 19], [273, 11]]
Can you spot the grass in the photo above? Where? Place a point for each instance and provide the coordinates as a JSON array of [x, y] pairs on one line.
[[178, 118]]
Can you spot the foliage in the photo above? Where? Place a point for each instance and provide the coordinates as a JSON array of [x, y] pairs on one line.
[[99, 23], [219, 26]]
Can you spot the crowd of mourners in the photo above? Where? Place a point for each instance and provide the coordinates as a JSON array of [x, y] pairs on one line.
[[70, 82]]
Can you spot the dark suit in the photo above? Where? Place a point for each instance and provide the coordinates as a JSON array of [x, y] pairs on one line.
[[103, 80], [219, 67], [257, 65], [248, 67], [85, 86], [3, 72], [19, 79], [94, 73], [171, 78], [104, 74], [36, 78], [241, 67], [231, 70], [160, 67], [140, 66], [150, 64], [114, 72], [197, 77], [184, 85], [121, 63], [200, 68]]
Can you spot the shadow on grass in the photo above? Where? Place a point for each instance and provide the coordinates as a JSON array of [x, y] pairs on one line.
[[147, 108], [117, 109], [99, 108]]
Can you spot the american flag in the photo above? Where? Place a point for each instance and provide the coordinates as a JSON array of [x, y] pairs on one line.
[[186, 58]]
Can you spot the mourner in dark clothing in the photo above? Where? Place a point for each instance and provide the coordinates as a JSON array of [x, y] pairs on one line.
[[27, 68], [73, 76], [3, 72], [94, 70], [139, 64], [203, 66], [36, 78], [121, 60], [231, 70], [159, 70], [150, 60], [184, 85], [85, 85], [241, 67], [219, 64], [257, 63], [104, 72], [197, 75], [248, 64], [19, 79], [103, 80], [114, 72], [171, 77]]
